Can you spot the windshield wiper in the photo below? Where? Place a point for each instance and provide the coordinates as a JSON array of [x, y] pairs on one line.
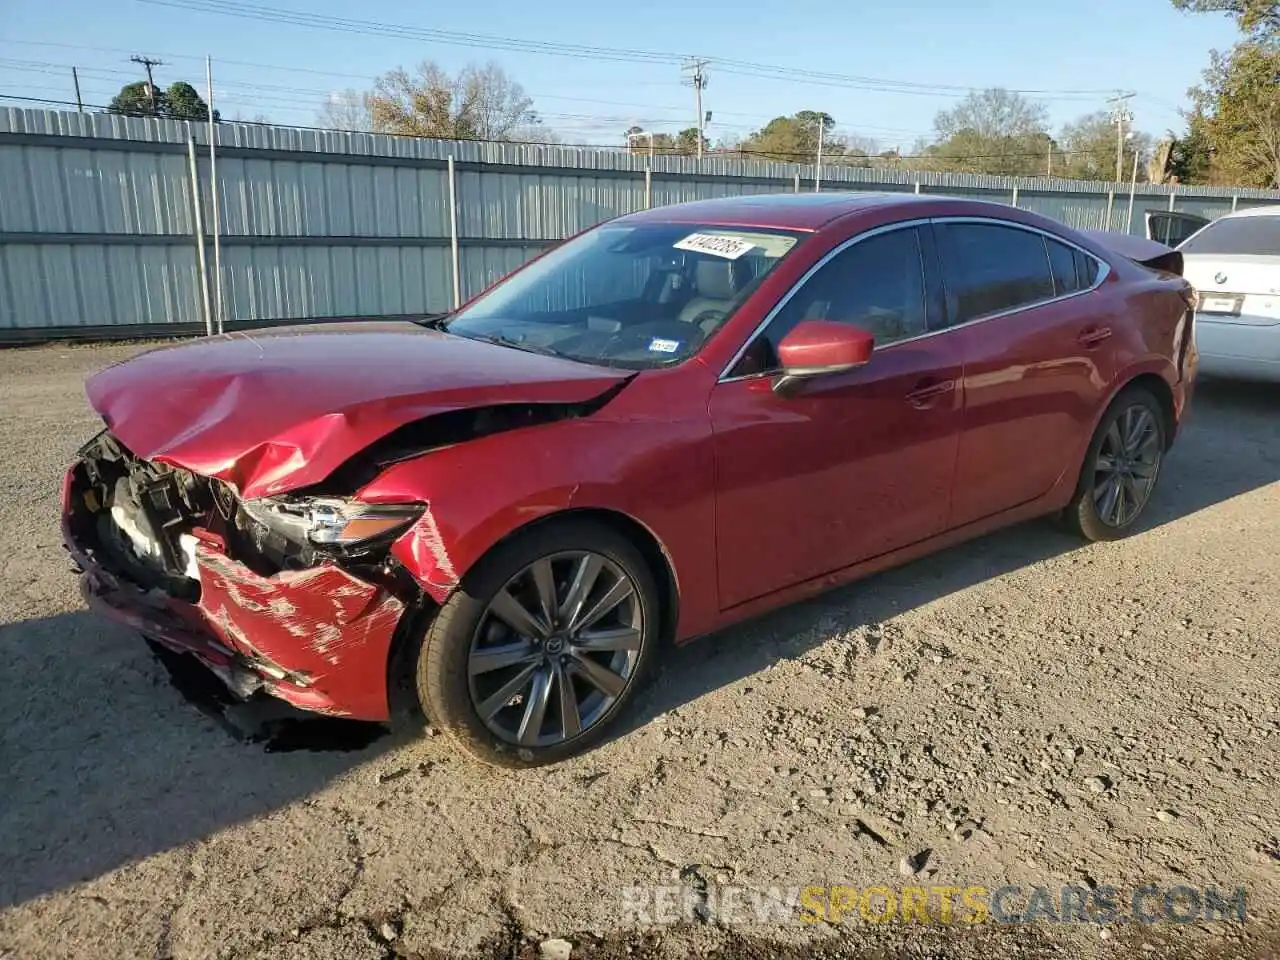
[[515, 344]]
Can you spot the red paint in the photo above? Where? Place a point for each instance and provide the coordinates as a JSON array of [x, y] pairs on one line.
[[786, 466], [276, 410], [756, 499], [825, 345], [322, 624]]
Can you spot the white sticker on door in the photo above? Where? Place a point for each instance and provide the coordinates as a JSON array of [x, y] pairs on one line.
[[730, 248]]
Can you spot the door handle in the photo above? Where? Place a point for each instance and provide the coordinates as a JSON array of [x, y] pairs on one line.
[[926, 395], [1092, 336]]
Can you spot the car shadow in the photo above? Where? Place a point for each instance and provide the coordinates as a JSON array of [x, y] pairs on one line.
[[1229, 446], [106, 763], [105, 760]]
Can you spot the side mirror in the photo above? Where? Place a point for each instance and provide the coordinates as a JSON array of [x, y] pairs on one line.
[[815, 348]]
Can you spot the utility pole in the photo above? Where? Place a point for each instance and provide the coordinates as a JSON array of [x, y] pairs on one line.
[[75, 79], [1120, 115], [698, 80], [148, 63]]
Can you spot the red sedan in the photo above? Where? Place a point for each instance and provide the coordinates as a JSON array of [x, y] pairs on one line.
[[673, 421]]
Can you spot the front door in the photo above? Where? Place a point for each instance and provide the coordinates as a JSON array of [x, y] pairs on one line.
[[851, 465]]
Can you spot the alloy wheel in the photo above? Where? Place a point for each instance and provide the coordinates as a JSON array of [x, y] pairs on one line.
[[1127, 464], [555, 648]]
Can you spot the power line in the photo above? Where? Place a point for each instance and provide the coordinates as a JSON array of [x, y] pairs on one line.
[[234, 8], [319, 96]]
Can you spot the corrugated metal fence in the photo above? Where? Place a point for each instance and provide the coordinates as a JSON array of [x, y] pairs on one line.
[[97, 219]]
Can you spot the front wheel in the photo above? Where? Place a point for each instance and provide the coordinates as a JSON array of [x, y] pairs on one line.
[[535, 655], [1120, 469]]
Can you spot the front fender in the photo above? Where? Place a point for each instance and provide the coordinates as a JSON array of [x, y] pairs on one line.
[[659, 473]]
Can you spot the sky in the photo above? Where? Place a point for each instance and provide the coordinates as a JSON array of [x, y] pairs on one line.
[[911, 58]]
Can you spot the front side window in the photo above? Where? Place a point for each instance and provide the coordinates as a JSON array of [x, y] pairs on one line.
[[1256, 235], [990, 268], [638, 296], [876, 284]]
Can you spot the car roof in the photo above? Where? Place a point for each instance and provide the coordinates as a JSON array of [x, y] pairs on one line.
[[1268, 210], [786, 211]]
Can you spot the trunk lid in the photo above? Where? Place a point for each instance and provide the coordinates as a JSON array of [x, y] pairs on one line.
[[1236, 288]]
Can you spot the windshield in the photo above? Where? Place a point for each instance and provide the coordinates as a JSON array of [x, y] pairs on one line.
[[1256, 235], [637, 296]]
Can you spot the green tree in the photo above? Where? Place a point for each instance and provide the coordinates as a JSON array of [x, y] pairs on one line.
[[994, 131], [183, 103], [179, 102], [1087, 146], [1260, 19], [795, 138], [1237, 114], [478, 103], [686, 141], [133, 100], [1191, 159]]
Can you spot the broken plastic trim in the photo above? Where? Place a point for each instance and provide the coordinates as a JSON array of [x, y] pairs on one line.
[[446, 429]]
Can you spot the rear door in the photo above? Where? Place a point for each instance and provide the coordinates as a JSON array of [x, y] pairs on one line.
[[1037, 360]]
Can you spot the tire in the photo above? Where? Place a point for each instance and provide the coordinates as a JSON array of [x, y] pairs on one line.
[[1092, 513], [467, 630]]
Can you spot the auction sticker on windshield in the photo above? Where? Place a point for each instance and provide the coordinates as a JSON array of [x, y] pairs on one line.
[[730, 248]]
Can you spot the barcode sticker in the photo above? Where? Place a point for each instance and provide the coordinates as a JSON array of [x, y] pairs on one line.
[[731, 248]]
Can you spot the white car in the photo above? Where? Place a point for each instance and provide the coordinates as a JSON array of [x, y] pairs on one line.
[[1234, 264]]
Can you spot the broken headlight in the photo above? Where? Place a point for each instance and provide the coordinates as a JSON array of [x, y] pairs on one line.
[[332, 522]]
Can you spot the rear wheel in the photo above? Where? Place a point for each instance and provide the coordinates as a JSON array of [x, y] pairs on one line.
[[539, 650], [1121, 468]]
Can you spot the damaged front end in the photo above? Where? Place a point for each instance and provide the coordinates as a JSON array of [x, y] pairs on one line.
[[295, 596]]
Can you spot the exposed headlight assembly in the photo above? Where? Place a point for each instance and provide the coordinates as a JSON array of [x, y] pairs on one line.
[[332, 522]]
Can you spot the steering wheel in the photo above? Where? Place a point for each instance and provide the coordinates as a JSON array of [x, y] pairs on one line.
[[710, 314]]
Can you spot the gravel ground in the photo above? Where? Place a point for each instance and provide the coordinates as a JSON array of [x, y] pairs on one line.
[[1020, 710]]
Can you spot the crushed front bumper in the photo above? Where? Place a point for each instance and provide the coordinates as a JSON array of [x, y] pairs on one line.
[[318, 638]]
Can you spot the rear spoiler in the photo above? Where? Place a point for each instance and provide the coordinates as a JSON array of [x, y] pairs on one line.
[[1149, 253]]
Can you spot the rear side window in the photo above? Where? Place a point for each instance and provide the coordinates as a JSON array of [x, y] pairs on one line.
[[1073, 270], [1259, 236], [990, 268]]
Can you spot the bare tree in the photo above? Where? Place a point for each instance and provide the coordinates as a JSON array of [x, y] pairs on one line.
[[479, 103], [346, 110]]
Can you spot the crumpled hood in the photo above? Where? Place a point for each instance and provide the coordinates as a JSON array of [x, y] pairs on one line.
[[272, 411]]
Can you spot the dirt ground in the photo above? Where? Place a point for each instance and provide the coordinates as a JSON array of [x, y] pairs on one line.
[[1022, 710]]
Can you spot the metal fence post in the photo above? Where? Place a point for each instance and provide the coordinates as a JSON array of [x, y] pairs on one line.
[[213, 199], [199, 228], [797, 181], [1173, 194], [1015, 196], [917, 186], [453, 236], [1235, 199], [648, 187], [1111, 202]]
